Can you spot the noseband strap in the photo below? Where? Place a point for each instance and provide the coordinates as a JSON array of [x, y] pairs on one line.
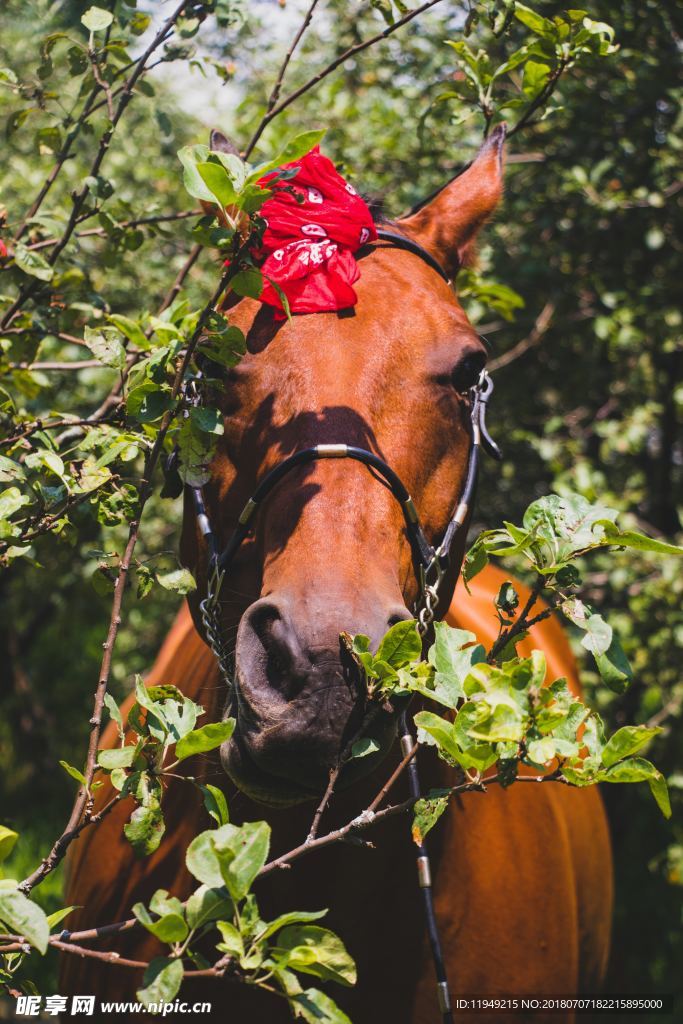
[[432, 563]]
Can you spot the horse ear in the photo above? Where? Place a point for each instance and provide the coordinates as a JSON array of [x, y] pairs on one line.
[[220, 143], [448, 224]]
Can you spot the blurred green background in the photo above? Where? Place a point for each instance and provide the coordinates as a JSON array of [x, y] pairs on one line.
[[588, 383]]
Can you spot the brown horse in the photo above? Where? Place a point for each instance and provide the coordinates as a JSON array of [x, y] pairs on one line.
[[522, 876]]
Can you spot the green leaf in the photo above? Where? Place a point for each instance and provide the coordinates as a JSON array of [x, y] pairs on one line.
[[161, 981], [23, 917], [218, 182], [317, 1008], [114, 713], [427, 812], [660, 792], [180, 580], [208, 420], [201, 858], [248, 283], [207, 904], [317, 951], [49, 459], [441, 731], [364, 747], [105, 344], [119, 757], [145, 829], [293, 917], [633, 539], [232, 940], [542, 751], [58, 915], [401, 645], [73, 772], [637, 769], [627, 741], [505, 725], [476, 559], [168, 928], [541, 26], [7, 840], [241, 855], [148, 401], [193, 181], [535, 78], [130, 329], [598, 635], [208, 737], [96, 18], [215, 803], [11, 500], [295, 148], [31, 262], [452, 654], [614, 667]]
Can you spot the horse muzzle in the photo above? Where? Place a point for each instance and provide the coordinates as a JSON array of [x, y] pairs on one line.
[[298, 700]]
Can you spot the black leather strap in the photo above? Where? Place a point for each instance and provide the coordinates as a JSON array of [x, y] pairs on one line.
[[402, 242]]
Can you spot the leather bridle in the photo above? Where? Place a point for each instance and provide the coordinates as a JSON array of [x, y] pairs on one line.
[[432, 563]]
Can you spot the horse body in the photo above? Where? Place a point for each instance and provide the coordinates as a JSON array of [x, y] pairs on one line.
[[493, 854], [522, 875]]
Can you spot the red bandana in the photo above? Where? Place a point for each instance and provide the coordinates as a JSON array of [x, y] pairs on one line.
[[309, 245]]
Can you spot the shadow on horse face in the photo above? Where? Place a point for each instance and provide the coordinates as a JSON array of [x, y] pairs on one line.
[[329, 552]]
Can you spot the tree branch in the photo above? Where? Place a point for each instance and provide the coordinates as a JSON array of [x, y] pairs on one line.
[[62, 843], [275, 94], [81, 196], [541, 327], [332, 66]]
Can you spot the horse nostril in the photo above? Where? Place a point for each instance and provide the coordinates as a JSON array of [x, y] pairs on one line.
[[399, 614], [270, 646]]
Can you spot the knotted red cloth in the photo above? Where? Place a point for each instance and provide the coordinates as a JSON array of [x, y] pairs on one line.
[[309, 242]]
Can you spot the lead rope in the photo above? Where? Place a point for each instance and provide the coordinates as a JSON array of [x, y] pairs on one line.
[[425, 617], [424, 880], [425, 611]]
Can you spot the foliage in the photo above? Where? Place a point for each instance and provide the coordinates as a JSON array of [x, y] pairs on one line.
[[582, 261]]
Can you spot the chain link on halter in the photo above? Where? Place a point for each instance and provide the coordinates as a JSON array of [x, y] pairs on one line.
[[213, 633], [428, 598]]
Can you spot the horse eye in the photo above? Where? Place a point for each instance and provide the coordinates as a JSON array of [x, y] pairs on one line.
[[466, 373]]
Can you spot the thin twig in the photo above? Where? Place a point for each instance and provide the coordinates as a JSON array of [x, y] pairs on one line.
[[368, 818], [541, 327], [400, 768], [78, 364], [274, 95], [104, 85], [332, 66], [62, 843], [334, 774], [105, 140], [520, 623], [161, 218], [64, 153], [364, 821], [543, 96]]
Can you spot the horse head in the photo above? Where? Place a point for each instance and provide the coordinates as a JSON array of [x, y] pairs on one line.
[[329, 552]]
